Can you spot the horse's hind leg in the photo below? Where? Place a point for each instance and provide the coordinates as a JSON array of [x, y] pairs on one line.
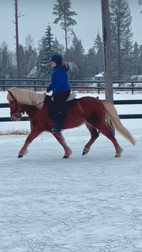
[[108, 133], [61, 140], [94, 136], [34, 133]]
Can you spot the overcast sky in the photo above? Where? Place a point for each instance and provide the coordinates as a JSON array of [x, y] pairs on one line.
[[37, 14]]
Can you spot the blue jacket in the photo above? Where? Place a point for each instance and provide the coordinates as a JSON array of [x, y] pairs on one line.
[[59, 80]]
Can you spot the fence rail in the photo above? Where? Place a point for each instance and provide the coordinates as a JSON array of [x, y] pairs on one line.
[[116, 102], [131, 85], [42, 84]]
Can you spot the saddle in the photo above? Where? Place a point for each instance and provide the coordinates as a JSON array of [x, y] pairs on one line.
[[50, 104]]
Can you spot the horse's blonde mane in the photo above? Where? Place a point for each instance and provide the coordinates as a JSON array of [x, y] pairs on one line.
[[28, 97]]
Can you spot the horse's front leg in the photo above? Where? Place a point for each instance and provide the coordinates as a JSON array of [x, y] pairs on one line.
[[61, 140], [34, 133], [94, 136]]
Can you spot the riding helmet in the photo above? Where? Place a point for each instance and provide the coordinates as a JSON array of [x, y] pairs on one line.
[[57, 58]]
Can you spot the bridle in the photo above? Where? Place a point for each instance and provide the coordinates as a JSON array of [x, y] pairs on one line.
[[14, 112]]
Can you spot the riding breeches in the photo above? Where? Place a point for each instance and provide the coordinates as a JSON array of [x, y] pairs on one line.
[[59, 109]]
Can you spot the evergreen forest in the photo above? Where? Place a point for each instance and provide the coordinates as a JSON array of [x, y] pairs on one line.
[[35, 62]]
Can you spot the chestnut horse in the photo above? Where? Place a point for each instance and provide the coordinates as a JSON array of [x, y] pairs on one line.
[[92, 112]]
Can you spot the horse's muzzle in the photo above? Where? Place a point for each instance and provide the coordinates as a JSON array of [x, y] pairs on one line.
[[16, 117]]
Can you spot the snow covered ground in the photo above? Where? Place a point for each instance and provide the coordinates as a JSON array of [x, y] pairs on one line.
[[81, 204]]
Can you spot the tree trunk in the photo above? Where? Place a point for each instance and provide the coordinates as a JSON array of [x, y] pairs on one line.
[[107, 50], [17, 40], [66, 39]]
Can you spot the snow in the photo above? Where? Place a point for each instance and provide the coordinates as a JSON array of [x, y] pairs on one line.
[[81, 204]]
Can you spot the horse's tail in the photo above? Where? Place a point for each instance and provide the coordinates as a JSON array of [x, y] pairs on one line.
[[113, 119]]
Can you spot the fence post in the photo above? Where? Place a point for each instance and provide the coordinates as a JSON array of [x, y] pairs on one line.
[[98, 88], [132, 87], [34, 84], [3, 83]]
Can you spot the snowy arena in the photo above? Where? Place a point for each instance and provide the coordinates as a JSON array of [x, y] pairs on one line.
[[90, 203]]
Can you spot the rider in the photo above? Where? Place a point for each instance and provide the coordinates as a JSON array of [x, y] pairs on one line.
[[60, 90]]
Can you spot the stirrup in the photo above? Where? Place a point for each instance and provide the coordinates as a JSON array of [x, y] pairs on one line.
[[55, 129]]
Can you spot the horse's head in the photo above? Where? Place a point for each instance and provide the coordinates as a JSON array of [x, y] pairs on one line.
[[15, 113]]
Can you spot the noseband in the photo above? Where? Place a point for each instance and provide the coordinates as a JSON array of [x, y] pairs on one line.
[[14, 112]]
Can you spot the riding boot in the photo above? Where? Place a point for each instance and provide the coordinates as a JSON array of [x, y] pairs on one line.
[[64, 113], [57, 126], [59, 110]]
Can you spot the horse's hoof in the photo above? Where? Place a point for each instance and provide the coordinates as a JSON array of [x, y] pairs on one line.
[[65, 156], [20, 156], [68, 153], [84, 153], [118, 154]]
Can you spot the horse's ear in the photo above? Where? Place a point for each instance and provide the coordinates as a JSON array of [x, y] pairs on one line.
[[10, 96]]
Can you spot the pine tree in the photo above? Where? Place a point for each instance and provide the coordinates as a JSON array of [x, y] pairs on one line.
[[30, 56], [57, 47], [5, 67], [90, 64], [76, 55], [98, 45], [140, 2], [121, 38], [140, 59], [22, 61], [64, 16], [136, 59], [46, 51]]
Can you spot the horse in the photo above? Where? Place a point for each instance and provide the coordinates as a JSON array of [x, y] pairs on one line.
[[92, 112]]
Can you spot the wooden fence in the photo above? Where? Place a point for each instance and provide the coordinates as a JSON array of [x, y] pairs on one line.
[[89, 85], [116, 102]]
